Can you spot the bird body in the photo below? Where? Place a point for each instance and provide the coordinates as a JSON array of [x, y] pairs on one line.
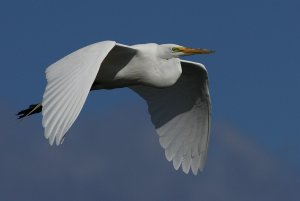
[[175, 90], [139, 64]]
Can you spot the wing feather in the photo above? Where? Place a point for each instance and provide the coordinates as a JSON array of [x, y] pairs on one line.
[[69, 81], [181, 116]]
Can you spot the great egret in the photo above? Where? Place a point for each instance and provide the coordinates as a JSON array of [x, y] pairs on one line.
[[176, 92]]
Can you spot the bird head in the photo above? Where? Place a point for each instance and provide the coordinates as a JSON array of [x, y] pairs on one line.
[[168, 51]]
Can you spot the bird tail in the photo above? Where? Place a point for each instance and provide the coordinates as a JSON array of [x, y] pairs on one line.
[[34, 108]]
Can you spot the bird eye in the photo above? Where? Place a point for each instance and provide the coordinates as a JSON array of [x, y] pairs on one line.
[[175, 49]]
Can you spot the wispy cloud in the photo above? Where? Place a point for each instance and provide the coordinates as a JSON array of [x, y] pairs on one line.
[[116, 156]]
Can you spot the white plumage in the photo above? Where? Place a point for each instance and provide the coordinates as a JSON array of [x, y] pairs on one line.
[[175, 90]]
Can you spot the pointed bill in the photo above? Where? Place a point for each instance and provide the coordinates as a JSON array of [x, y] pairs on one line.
[[190, 51]]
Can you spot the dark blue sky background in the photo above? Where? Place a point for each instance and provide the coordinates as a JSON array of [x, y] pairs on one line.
[[112, 152]]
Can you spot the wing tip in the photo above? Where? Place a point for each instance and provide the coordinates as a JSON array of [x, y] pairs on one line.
[[54, 141], [195, 165]]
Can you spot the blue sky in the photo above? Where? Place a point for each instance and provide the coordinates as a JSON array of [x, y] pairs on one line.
[[254, 82]]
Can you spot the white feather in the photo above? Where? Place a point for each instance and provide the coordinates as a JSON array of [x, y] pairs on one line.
[[69, 81], [181, 115], [176, 92]]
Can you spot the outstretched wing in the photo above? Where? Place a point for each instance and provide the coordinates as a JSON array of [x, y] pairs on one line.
[[181, 116], [69, 81]]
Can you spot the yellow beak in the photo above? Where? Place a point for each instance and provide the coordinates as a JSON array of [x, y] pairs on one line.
[[190, 51]]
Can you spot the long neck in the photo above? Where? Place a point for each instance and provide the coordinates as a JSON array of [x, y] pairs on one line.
[[147, 49]]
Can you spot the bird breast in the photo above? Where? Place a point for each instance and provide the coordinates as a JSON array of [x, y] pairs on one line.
[[151, 71]]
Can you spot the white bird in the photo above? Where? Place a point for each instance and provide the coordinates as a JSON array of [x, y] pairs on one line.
[[176, 92]]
